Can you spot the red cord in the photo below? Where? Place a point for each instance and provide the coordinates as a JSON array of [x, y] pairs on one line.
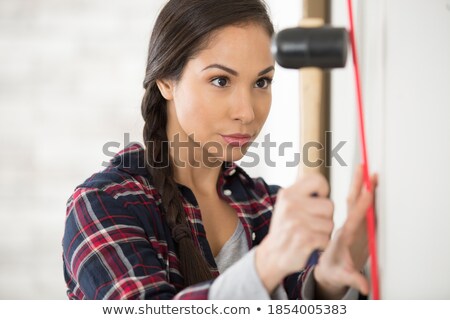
[[362, 135]]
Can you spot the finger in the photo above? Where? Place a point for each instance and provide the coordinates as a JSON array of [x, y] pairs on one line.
[[312, 183], [374, 180], [374, 189], [357, 281], [357, 214], [356, 185], [321, 225], [318, 207]]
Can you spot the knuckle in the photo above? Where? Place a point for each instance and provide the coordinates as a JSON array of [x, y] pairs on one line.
[[321, 179], [323, 183], [330, 226], [327, 208]]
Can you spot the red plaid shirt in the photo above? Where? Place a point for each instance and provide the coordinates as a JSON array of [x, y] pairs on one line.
[[117, 244]]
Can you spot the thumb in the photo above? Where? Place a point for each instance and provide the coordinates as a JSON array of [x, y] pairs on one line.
[[357, 281]]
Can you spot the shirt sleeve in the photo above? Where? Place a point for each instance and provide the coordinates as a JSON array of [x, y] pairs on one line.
[[301, 286], [241, 282], [309, 285], [107, 254]]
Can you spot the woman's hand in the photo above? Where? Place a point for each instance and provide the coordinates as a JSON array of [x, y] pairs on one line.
[[300, 224], [341, 263]]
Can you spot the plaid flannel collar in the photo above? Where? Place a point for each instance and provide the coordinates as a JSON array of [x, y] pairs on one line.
[[131, 160]]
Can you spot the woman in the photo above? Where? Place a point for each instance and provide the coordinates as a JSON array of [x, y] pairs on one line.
[[179, 219]]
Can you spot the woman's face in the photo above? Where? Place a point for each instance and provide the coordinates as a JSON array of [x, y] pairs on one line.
[[224, 95]]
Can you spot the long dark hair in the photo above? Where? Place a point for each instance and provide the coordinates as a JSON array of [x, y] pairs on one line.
[[181, 30]]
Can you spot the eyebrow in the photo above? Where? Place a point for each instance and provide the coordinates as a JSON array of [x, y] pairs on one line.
[[235, 73]]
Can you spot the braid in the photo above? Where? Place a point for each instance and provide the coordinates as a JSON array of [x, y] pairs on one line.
[[193, 266]]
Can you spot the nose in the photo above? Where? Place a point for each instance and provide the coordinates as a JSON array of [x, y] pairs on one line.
[[243, 107]]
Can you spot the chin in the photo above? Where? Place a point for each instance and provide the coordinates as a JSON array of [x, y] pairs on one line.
[[228, 155]]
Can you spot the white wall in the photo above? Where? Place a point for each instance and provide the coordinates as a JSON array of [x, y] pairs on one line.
[[407, 77], [343, 119], [404, 48]]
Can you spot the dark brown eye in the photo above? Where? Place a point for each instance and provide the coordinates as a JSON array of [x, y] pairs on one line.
[[220, 82], [263, 83]]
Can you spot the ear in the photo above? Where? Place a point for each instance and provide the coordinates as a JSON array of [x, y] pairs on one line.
[[166, 87]]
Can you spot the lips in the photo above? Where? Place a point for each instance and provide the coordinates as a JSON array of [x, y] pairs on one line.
[[237, 139]]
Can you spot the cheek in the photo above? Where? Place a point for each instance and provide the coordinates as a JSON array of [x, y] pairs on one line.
[[264, 103], [196, 113]]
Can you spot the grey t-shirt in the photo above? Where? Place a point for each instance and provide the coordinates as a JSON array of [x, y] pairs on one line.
[[235, 248]]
